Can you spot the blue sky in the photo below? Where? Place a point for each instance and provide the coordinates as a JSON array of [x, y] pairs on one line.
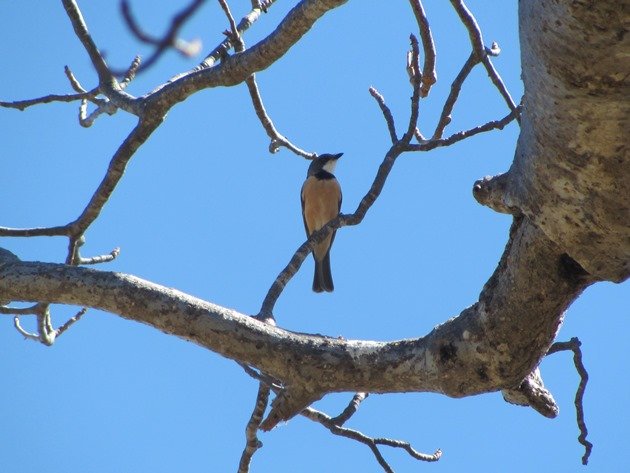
[[204, 207]]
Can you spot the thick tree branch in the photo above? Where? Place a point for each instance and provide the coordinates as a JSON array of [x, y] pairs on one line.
[[570, 174], [492, 345]]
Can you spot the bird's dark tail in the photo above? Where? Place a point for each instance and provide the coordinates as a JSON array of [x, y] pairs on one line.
[[322, 280]]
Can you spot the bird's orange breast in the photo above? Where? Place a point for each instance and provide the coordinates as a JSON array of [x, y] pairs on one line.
[[320, 204]]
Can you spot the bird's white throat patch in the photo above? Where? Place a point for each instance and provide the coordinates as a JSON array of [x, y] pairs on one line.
[[330, 166]]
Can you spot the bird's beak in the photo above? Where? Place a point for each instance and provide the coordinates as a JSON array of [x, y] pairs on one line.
[[337, 156]]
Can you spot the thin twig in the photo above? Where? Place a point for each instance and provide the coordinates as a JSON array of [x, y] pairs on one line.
[[277, 139], [111, 256], [24, 104], [429, 76], [350, 409], [260, 376], [456, 86], [574, 345], [476, 39], [462, 135], [387, 113], [498, 82], [71, 321], [416, 82], [252, 442], [17, 310], [27, 335], [76, 85], [81, 30], [131, 72], [371, 442], [234, 35], [334, 425], [247, 21], [114, 173], [33, 232]]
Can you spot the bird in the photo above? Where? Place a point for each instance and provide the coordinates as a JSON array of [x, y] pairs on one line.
[[321, 202]]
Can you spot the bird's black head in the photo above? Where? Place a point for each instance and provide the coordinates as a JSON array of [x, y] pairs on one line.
[[324, 162]]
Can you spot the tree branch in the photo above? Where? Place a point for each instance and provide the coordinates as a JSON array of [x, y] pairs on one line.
[[252, 442], [492, 345], [574, 345], [24, 104], [428, 76], [476, 39], [235, 69]]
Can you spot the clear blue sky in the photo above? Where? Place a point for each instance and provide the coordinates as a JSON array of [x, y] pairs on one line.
[[204, 208]]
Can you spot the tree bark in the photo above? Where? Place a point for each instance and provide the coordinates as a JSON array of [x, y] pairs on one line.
[[571, 174]]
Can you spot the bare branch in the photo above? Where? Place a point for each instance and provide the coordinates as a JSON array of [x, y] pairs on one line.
[[277, 140], [429, 76], [24, 104], [334, 424], [476, 39], [371, 442], [76, 85], [236, 69], [243, 25], [114, 173], [416, 81], [574, 345], [27, 335], [387, 114], [45, 333], [81, 30], [445, 117], [350, 409], [131, 72], [498, 82], [508, 306], [462, 135], [18, 310], [71, 321], [33, 232], [252, 441], [79, 260]]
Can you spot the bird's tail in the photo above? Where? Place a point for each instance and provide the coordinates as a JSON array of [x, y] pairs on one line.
[[322, 280]]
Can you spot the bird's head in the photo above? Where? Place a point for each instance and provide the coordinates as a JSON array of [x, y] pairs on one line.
[[324, 162]]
